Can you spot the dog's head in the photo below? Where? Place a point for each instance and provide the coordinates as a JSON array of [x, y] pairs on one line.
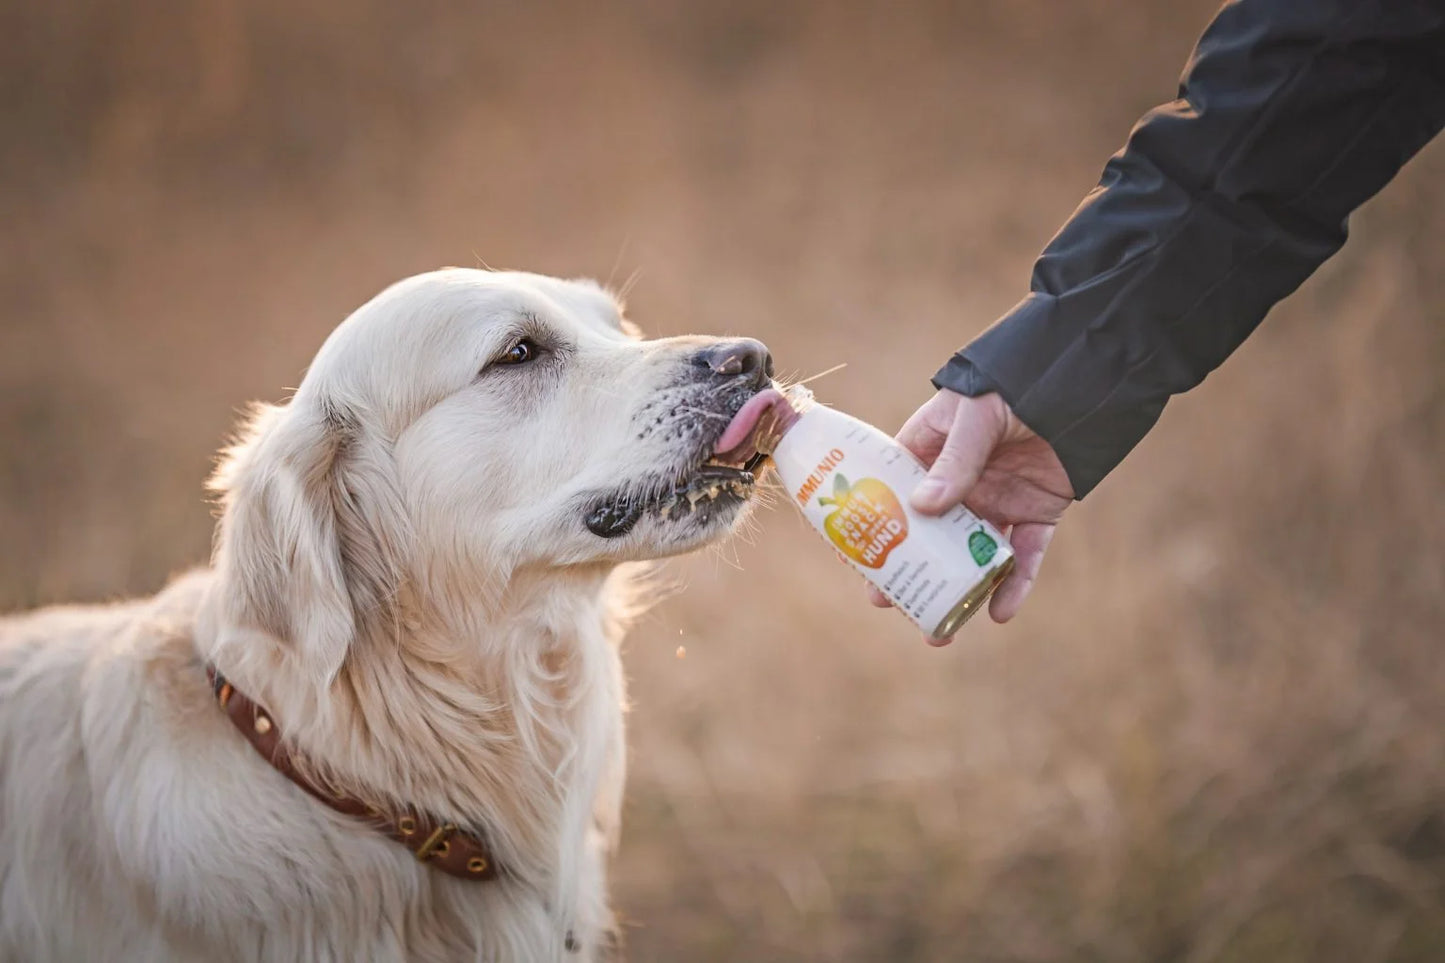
[[464, 425]]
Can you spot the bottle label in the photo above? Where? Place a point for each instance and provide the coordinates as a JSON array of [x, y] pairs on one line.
[[852, 482]]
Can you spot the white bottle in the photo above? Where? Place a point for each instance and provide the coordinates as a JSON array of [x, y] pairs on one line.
[[852, 482]]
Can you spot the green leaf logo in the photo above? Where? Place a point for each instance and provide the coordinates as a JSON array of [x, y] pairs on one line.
[[982, 547]]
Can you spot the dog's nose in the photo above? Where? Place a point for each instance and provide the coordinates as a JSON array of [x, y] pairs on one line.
[[744, 356]]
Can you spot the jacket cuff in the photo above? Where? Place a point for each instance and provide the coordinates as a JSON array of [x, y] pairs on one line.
[[1059, 384]]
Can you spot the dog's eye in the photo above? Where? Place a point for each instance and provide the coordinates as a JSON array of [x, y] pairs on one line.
[[520, 353]]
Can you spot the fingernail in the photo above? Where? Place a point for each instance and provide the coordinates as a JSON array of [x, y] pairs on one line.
[[928, 493]]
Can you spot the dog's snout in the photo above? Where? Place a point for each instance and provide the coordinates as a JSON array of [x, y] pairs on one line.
[[740, 357]]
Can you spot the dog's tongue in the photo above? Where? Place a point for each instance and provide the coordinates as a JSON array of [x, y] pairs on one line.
[[747, 419]]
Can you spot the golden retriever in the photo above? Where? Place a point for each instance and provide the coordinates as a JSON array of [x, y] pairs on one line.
[[420, 573]]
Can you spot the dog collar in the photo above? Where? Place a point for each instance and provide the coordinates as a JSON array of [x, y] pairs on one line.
[[433, 841]]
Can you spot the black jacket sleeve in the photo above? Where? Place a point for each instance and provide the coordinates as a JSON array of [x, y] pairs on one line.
[[1291, 114]]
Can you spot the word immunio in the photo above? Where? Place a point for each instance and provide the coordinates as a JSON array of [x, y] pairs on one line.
[[819, 475]]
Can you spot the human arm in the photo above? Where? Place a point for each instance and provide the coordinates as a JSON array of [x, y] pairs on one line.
[[1290, 115]]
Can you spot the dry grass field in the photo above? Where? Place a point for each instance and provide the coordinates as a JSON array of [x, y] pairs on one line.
[[1217, 733]]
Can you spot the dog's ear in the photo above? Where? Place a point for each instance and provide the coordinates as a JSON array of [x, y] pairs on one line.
[[281, 551]]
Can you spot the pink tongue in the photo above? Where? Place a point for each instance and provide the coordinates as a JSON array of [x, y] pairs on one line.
[[746, 419]]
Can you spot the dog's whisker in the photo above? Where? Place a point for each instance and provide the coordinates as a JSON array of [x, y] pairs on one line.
[[627, 285], [704, 413], [616, 263], [821, 374]]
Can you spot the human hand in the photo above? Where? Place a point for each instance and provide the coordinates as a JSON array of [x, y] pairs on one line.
[[979, 453]]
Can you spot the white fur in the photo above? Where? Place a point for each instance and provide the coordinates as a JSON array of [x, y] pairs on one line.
[[402, 577]]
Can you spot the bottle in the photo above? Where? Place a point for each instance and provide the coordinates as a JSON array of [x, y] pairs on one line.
[[852, 482]]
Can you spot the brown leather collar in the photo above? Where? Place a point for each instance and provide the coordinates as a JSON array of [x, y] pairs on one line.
[[433, 841]]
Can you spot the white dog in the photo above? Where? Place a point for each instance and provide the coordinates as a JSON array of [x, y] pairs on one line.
[[415, 595]]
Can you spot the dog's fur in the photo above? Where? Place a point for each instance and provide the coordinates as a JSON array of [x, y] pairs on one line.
[[403, 577]]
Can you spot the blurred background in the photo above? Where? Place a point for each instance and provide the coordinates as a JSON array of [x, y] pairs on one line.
[[1217, 732]]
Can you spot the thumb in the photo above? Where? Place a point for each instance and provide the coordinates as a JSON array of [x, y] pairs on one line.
[[976, 430]]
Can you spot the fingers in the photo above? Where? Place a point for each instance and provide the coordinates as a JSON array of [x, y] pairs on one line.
[[975, 432], [924, 432], [1030, 541], [878, 598]]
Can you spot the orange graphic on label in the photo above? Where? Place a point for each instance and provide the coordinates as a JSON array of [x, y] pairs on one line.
[[867, 521]]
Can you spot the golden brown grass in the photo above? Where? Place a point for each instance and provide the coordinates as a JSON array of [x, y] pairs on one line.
[[1217, 733]]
